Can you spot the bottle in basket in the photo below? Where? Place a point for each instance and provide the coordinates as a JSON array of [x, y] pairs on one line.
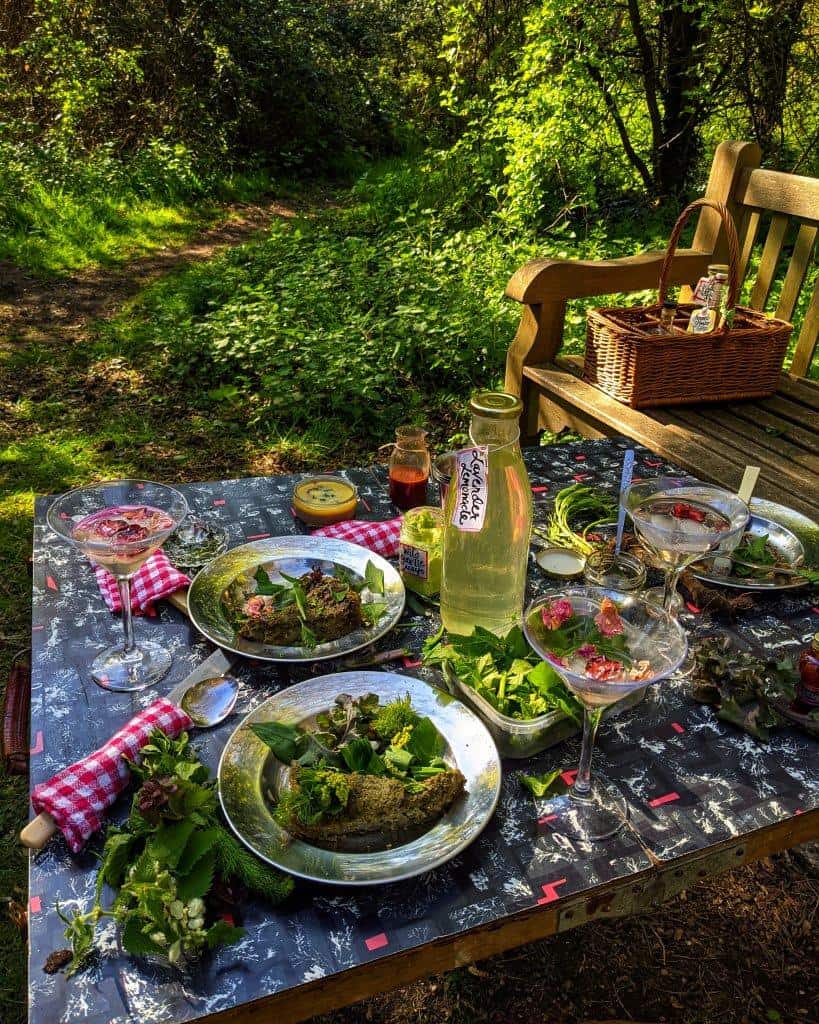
[[709, 292], [487, 522]]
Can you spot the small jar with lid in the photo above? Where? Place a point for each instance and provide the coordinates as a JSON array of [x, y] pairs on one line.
[[614, 571], [419, 550], [409, 468]]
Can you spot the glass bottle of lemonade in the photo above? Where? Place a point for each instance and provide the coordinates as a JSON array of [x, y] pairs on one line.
[[487, 522]]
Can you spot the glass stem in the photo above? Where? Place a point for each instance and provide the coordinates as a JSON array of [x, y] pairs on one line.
[[672, 578], [124, 587], [582, 782]]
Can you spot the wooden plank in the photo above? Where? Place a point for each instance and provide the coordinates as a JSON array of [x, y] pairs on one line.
[[550, 280], [797, 271], [800, 389], [806, 346], [750, 228], [759, 416], [788, 194], [325, 994], [769, 261], [753, 445], [584, 405], [794, 411]]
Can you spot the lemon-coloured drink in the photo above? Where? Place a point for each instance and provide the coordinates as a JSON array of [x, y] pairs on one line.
[[488, 523]]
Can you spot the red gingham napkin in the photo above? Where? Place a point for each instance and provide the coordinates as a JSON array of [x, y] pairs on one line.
[[76, 797], [155, 579], [382, 538]]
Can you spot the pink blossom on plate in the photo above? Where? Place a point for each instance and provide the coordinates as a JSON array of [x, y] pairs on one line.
[[555, 613], [254, 606], [608, 619]]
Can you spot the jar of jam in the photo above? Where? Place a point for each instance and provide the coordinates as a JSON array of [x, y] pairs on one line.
[[807, 689], [409, 468]]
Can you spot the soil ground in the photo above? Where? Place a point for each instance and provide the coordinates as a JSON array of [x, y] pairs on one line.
[[739, 949]]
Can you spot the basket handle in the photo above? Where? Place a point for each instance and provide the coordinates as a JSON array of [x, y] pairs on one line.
[[733, 252]]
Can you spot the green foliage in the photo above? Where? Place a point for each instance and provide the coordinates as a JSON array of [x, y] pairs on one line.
[[163, 863]]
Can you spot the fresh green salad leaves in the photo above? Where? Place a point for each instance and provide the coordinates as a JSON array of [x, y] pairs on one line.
[[357, 735], [540, 785], [505, 671], [165, 860]]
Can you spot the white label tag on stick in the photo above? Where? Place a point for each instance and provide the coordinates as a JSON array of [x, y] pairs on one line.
[[472, 488]]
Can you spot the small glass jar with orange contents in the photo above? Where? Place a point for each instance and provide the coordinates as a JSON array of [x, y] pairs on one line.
[[324, 499]]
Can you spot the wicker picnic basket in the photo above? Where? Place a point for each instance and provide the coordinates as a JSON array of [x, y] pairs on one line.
[[629, 360]]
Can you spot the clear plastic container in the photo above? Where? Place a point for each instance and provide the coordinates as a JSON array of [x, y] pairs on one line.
[[518, 738]]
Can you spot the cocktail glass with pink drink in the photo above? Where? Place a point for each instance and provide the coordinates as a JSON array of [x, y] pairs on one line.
[[118, 525]]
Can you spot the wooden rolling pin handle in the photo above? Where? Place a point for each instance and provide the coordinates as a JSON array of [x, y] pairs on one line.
[[179, 599], [38, 831]]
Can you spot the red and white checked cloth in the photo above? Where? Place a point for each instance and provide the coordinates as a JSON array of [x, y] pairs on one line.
[[155, 579], [382, 538], [77, 796]]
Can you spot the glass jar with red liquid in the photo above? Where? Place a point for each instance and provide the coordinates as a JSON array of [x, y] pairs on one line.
[[409, 468], [807, 689]]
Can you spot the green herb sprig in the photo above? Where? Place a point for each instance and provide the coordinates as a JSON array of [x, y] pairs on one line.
[[577, 511], [164, 861]]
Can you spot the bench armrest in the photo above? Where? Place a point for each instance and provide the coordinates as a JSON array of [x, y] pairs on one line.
[[543, 281]]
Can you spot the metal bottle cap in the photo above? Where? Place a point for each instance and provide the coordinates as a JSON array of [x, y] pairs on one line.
[[496, 405]]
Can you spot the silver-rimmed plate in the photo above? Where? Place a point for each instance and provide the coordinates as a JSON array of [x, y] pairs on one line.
[[294, 556], [793, 536], [249, 773]]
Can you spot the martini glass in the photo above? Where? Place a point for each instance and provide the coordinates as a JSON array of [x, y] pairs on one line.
[[680, 520], [119, 525], [592, 809]]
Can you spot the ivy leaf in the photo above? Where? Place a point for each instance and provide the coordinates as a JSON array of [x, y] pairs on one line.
[[199, 879]]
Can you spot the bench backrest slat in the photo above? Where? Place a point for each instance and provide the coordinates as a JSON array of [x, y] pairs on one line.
[[806, 346], [797, 271]]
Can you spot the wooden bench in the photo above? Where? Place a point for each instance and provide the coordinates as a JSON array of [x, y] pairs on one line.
[[714, 441]]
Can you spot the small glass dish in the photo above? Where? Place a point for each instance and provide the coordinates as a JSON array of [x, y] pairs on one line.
[[325, 499], [195, 543], [622, 572]]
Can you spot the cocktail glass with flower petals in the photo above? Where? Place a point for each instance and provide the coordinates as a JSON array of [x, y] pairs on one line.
[[119, 524], [604, 645], [679, 520]]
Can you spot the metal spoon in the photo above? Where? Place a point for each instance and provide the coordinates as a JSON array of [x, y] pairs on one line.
[[210, 701]]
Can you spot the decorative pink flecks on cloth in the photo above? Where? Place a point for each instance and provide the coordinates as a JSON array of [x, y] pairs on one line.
[[156, 579], [382, 538], [77, 796]]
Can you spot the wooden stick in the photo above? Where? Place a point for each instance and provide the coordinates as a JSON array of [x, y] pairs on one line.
[[179, 600], [38, 831]]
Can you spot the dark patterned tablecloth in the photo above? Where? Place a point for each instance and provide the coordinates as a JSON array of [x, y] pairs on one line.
[[690, 780]]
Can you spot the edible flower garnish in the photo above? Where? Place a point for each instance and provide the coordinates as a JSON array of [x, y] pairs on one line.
[[604, 668], [608, 619], [555, 613], [683, 511]]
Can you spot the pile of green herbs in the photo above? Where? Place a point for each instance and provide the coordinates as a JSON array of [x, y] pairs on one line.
[[749, 692], [292, 592], [356, 735], [753, 558], [578, 510], [165, 862], [505, 671]]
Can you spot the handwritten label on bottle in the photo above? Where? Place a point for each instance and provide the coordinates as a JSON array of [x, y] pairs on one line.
[[472, 486], [414, 561]]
